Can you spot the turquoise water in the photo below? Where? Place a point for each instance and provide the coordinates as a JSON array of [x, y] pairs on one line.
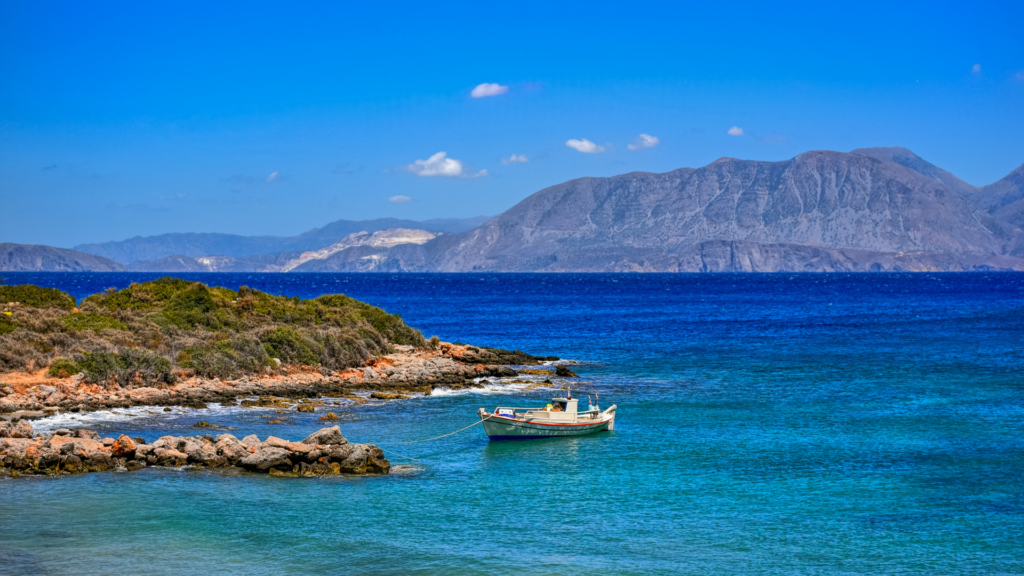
[[766, 424]]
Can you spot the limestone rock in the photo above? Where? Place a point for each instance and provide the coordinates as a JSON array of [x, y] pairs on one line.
[[326, 436], [22, 429], [289, 446], [170, 457], [231, 449], [267, 457], [251, 442]]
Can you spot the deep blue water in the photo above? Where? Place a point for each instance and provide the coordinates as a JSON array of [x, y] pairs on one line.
[[783, 423]]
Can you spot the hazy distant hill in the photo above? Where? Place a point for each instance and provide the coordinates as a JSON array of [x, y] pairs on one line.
[[1005, 198], [209, 244], [37, 258], [871, 209], [281, 261], [181, 263]]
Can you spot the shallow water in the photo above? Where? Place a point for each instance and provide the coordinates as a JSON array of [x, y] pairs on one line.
[[767, 424]]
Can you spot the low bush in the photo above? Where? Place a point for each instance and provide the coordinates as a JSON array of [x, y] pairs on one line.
[[144, 366], [209, 361], [290, 347], [101, 366], [36, 296], [338, 352], [133, 366], [91, 321], [7, 325], [249, 354], [191, 307], [63, 367], [391, 326], [225, 359]]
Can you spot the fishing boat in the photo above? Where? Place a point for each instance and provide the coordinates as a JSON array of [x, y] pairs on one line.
[[560, 418]]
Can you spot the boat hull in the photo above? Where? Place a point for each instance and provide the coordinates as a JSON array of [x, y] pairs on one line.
[[502, 428]]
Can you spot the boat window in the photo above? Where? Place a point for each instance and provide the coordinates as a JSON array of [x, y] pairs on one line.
[[559, 407]]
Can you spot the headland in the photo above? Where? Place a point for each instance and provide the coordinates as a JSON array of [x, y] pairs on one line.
[[175, 343]]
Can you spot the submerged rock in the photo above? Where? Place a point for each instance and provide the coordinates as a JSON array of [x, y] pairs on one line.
[[565, 372]]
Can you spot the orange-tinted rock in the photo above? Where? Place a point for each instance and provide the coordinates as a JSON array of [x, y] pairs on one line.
[[123, 447], [290, 446]]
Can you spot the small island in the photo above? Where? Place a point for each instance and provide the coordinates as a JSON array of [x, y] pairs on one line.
[[171, 342]]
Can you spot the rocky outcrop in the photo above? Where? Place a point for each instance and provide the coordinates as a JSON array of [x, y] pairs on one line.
[[38, 258], [325, 452], [453, 366], [381, 239]]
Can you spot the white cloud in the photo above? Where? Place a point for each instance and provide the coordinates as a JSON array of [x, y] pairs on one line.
[[644, 141], [515, 159], [399, 199], [585, 146], [735, 131], [976, 69], [486, 89], [440, 165], [273, 176]]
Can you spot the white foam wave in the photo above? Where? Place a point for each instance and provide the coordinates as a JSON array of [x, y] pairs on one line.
[[151, 414], [501, 388], [86, 419]]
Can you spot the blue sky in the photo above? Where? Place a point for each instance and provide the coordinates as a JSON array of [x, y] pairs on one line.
[[259, 118]]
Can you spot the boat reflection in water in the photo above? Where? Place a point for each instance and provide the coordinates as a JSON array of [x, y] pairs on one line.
[[560, 418]]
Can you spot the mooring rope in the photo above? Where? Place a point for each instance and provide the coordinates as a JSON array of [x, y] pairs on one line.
[[434, 438]]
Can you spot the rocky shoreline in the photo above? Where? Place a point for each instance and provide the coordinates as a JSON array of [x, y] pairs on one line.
[[323, 453], [25, 396], [408, 370]]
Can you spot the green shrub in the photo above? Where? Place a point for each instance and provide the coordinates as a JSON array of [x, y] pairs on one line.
[[91, 321], [140, 296], [6, 324], [36, 297], [209, 361], [249, 354], [192, 307], [291, 347], [338, 352], [126, 367], [66, 365], [147, 366], [391, 326], [101, 366]]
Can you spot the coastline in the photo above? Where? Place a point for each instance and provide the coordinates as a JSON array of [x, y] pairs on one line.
[[390, 376]]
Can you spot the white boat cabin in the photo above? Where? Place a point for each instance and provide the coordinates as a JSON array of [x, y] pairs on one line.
[[560, 410]]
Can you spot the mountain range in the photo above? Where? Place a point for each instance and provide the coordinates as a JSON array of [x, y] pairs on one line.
[[872, 209], [235, 246]]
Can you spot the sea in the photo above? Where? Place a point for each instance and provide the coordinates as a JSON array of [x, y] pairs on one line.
[[767, 424]]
